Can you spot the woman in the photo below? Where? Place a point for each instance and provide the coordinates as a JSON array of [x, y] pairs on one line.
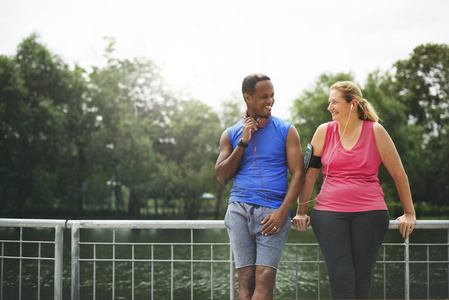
[[350, 217]]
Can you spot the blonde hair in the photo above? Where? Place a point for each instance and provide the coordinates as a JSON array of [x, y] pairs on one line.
[[351, 91]]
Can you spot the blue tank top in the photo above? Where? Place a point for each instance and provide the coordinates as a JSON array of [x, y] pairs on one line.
[[264, 174]]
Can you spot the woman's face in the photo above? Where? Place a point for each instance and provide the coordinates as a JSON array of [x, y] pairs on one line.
[[338, 106]]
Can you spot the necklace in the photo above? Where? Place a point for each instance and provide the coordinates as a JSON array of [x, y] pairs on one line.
[[348, 140]]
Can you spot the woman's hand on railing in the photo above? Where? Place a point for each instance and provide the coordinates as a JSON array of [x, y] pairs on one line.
[[406, 224], [301, 222]]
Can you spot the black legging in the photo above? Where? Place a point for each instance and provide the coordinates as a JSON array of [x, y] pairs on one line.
[[350, 244]]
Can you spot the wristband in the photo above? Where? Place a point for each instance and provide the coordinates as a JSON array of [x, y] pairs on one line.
[[242, 144]]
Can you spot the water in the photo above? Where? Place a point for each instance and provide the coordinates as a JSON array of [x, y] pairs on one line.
[[304, 274]]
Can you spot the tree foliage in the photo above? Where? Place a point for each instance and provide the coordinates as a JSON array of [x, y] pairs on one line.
[[422, 83], [116, 138]]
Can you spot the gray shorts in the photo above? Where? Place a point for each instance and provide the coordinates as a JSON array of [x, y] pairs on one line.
[[249, 245]]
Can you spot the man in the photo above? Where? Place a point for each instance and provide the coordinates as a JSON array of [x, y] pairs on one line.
[[257, 153]]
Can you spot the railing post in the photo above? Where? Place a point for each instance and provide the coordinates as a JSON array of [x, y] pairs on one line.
[[75, 262], [20, 262], [318, 265], [58, 261], [407, 270], [231, 274], [1, 271], [191, 263]]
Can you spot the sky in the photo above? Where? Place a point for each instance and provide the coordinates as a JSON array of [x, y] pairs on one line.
[[206, 47]]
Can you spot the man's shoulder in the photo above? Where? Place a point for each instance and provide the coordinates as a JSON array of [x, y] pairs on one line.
[[236, 125], [280, 121], [234, 131]]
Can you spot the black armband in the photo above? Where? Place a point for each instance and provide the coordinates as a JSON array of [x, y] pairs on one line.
[[315, 162], [311, 160]]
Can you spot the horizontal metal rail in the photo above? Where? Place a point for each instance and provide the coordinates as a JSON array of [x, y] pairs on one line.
[[153, 224], [202, 224]]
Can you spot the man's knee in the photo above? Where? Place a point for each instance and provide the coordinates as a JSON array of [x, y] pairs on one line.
[[265, 276], [247, 276], [246, 282]]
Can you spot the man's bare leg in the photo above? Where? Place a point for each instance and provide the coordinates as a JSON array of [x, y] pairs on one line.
[[256, 283], [265, 279], [246, 282]]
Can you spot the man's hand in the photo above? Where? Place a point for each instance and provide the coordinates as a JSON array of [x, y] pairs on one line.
[[273, 223], [249, 126]]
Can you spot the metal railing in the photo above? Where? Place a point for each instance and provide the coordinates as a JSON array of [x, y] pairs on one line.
[[80, 247], [76, 226], [58, 226]]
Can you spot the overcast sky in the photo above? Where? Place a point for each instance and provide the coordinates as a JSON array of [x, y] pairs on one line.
[[208, 46]]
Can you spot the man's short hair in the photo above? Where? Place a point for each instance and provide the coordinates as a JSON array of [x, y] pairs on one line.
[[250, 81]]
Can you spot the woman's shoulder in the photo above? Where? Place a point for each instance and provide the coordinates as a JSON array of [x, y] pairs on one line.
[[324, 126], [322, 129], [379, 131], [377, 127], [319, 138]]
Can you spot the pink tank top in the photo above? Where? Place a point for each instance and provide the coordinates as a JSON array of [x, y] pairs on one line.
[[350, 176]]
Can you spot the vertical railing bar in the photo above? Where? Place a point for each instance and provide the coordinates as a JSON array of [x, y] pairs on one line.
[[319, 279], [132, 274], [39, 253], [448, 263], [171, 272], [297, 273], [428, 272], [75, 293], [407, 270], [1, 272], [231, 274], [211, 272], [94, 283], [20, 263], [59, 262], [385, 272], [113, 263], [152, 272], [191, 263]]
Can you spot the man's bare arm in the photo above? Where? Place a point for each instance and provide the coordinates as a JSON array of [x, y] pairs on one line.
[[228, 160]]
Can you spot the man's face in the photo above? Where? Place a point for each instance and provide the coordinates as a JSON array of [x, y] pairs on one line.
[[262, 99]]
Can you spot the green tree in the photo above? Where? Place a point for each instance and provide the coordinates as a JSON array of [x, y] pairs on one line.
[[422, 85], [12, 133], [422, 81], [131, 106], [194, 128], [40, 147]]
